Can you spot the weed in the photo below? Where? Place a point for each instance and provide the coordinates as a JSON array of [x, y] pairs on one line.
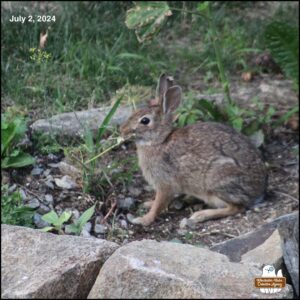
[[78, 225], [55, 220], [12, 132], [12, 210]]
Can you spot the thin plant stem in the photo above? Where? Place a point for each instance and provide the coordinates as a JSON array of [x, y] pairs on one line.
[[215, 39]]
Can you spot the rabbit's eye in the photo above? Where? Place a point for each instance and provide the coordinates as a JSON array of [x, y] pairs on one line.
[[145, 121]]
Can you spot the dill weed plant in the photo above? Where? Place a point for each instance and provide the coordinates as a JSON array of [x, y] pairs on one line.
[[38, 55]]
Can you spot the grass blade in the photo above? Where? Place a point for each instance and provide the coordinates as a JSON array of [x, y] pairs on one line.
[[107, 119]]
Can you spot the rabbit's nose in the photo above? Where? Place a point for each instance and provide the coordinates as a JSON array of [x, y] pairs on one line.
[[124, 130]]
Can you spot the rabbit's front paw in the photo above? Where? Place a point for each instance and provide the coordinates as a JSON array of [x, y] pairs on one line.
[[145, 220]]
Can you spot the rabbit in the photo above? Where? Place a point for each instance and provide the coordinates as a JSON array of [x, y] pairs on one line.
[[207, 160]]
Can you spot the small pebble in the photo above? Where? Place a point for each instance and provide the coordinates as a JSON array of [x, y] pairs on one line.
[[75, 214], [177, 204], [85, 233], [134, 191], [23, 194], [47, 172], [87, 227], [12, 188], [187, 223], [123, 224], [33, 203], [99, 228], [37, 219], [43, 209], [126, 203], [49, 199], [36, 171]]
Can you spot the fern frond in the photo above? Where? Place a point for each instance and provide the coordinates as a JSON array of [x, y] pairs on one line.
[[283, 42]]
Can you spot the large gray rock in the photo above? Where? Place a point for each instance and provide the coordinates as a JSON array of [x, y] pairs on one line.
[[74, 123], [47, 266], [150, 269], [289, 232]]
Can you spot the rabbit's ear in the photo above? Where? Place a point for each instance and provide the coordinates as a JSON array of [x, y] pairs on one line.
[[172, 99], [164, 82]]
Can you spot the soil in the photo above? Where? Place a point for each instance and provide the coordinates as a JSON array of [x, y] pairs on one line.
[[280, 152]]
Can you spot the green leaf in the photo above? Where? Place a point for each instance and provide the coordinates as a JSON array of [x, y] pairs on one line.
[[237, 123], [15, 153], [64, 217], [84, 218], [48, 228], [130, 56], [212, 109], [203, 6], [147, 18], [107, 119], [285, 116], [51, 217], [73, 228], [22, 160]]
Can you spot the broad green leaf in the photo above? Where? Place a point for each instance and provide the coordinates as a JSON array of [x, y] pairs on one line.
[[51, 217], [107, 119], [22, 160], [64, 217], [147, 18], [48, 228], [73, 228], [84, 218]]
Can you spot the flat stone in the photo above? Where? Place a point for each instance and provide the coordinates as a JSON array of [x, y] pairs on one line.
[[65, 182], [38, 265], [73, 123]]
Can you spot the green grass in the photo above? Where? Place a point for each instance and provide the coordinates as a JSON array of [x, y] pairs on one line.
[[93, 53]]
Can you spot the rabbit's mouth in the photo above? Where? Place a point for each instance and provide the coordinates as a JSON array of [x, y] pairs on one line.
[[128, 136]]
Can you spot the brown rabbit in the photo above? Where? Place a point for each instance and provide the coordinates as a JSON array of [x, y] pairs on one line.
[[207, 160]]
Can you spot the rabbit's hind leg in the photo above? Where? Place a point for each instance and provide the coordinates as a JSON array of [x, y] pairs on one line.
[[222, 209]]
